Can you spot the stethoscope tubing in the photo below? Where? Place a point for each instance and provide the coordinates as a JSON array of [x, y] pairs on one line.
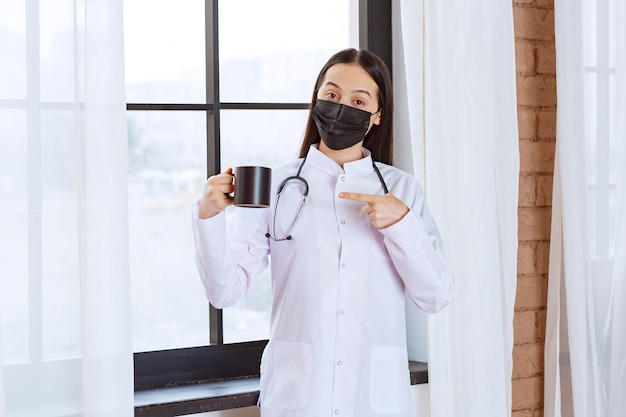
[[299, 177]]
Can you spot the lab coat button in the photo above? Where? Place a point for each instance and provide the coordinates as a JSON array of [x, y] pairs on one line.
[[343, 265], [339, 363], [336, 412], [341, 312], [343, 222], [343, 178]]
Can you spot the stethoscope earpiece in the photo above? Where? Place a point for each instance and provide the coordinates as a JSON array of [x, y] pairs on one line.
[[267, 235]]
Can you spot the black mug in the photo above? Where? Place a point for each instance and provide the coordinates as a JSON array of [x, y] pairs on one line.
[[252, 186]]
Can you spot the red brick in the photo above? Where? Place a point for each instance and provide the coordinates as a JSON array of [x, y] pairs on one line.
[[526, 123], [524, 327], [532, 23], [527, 360], [525, 57], [543, 196], [545, 57], [536, 156], [536, 90], [534, 223], [536, 97], [527, 392], [542, 257], [527, 191], [545, 4], [546, 124], [541, 325], [531, 293], [526, 258]]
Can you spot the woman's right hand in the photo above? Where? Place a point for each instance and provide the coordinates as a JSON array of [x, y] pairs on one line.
[[215, 196]]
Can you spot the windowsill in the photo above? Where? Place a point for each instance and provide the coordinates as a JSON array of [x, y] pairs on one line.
[[219, 395]]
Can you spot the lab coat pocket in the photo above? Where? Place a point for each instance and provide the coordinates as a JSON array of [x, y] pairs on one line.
[[289, 385], [389, 380]]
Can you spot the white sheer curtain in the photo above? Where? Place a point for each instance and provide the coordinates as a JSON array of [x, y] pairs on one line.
[[457, 63], [585, 354], [65, 337]]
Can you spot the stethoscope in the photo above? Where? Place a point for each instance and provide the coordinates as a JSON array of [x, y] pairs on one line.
[[305, 193]]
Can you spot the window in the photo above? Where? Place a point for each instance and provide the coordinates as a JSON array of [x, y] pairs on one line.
[[600, 105], [209, 86], [212, 84]]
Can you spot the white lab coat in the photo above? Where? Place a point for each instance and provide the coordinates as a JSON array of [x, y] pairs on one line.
[[337, 335]]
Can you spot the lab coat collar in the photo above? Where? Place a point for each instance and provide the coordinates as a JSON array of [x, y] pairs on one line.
[[320, 161]]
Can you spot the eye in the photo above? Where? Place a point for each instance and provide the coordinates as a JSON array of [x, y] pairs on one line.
[[359, 102], [331, 96]]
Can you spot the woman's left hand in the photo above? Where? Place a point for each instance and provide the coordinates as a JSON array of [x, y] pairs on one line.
[[383, 210]]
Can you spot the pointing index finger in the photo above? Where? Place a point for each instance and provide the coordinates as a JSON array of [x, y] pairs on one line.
[[366, 198]]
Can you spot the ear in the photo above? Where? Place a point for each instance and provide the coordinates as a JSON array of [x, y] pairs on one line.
[[379, 117]]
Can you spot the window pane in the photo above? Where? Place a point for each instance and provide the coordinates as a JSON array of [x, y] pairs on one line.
[[165, 51], [261, 137], [249, 319], [167, 170], [257, 137], [14, 217], [13, 69], [274, 50], [57, 51]]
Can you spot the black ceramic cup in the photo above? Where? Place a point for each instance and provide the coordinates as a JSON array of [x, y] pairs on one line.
[[252, 186]]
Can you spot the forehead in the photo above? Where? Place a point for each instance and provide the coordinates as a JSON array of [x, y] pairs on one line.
[[350, 77]]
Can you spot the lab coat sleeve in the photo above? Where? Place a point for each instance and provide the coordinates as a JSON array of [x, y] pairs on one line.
[[226, 263], [416, 250]]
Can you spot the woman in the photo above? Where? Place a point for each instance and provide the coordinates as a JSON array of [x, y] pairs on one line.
[[341, 265]]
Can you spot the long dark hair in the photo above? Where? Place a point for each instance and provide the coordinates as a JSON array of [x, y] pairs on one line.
[[379, 140]]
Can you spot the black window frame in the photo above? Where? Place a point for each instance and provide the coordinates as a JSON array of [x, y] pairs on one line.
[[219, 361]]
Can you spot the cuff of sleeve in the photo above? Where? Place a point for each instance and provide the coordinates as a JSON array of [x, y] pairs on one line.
[[410, 231], [195, 210], [213, 226]]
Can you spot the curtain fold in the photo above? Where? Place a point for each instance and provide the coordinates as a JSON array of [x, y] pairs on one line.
[[585, 352], [408, 75], [464, 144], [65, 335]]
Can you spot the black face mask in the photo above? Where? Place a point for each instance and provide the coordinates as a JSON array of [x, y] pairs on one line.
[[340, 126]]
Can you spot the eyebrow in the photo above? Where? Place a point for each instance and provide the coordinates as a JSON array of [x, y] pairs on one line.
[[353, 91]]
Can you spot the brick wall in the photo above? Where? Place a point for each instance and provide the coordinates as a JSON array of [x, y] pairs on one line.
[[536, 105]]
